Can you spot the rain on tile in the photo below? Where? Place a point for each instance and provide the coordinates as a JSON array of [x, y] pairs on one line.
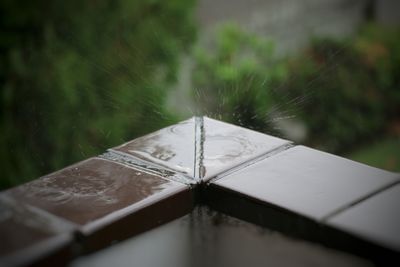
[[201, 147], [97, 194], [226, 146], [307, 182], [172, 147]]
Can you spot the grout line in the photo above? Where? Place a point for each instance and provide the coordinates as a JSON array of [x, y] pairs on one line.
[[145, 166], [358, 201], [199, 148], [251, 161]]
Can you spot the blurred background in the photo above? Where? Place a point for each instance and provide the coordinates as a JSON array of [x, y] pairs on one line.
[[78, 77]]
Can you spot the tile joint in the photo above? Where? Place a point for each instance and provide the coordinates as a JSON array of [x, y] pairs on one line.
[[199, 136], [145, 166], [172, 175], [358, 201]]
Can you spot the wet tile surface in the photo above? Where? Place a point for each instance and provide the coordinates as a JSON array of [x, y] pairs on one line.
[[376, 219], [226, 146], [201, 148], [94, 188], [209, 238], [27, 233], [131, 189], [307, 182], [172, 147]]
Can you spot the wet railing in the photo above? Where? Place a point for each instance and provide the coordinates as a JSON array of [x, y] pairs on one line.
[[159, 177]]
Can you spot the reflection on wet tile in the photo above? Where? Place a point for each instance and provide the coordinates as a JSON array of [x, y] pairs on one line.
[[92, 189], [307, 182], [209, 238], [225, 146], [27, 233], [136, 187], [172, 147], [201, 147], [376, 219]]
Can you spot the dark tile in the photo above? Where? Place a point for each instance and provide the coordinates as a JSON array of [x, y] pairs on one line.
[[29, 235], [226, 146], [308, 182], [376, 219], [91, 189], [209, 238], [172, 147], [100, 195]]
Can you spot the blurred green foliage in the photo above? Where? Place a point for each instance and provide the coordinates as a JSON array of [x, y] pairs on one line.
[[232, 80], [77, 77], [353, 87], [345, 92], [383, 153]]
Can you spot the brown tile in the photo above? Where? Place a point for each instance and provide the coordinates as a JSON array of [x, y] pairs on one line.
[[97, 193], [91, 189], [29, 235]]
